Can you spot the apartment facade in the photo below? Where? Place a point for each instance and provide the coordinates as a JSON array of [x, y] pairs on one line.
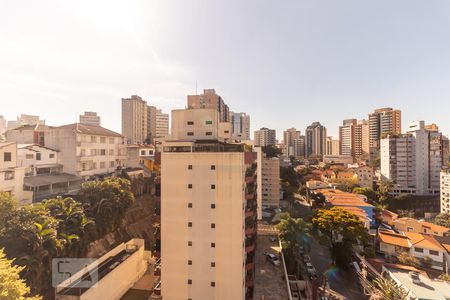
[[134, 119], [11, 175], [384, 121], [289, 136], [299, 147], [445, 191], [332, 146], [354, 138], [90, 118], [316, 140], [28, 134], [268, 179], [413, 161], [88, 150], [265, 137], [240, 126], [208, 211], [210, 99]]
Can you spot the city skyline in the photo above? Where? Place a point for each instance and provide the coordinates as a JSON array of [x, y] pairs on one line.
[[91, 60]]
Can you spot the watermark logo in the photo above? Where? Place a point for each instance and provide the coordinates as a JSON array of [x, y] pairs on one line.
[[74, 272]]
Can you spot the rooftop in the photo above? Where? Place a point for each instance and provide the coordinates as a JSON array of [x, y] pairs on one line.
[[424, 241], [89, 129], [394, 239]]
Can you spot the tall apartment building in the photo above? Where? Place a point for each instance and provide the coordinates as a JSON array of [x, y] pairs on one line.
[[268, 181], [161, 125], [354, 138], [87, 150], [384, 121], [265, 137], [240, 126], [25, 119], [208, 210], [299, 147], [413, 161], [2, 125], [134, 119], [289, 136], [210, 99], [142, 123], [445, 191], [316, 139], [90, 118], [332, 146]]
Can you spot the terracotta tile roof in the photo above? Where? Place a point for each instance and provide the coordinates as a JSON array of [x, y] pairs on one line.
[[424, 241], [444, 241], [89, 129], [394, 239], [389, 213]]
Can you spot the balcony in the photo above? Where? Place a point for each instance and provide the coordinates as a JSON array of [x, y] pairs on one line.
[[249, 266], [250, 231], [250, 248], [249, 213], [250, 197]]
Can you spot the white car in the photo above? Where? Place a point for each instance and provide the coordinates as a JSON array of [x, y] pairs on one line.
[[273, 259]]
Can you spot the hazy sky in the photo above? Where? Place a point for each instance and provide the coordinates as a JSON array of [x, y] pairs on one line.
[[286, 63]]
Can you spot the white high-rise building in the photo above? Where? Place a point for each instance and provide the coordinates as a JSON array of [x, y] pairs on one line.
[[208, 210], [413, 161], [289, 136], [265, 137]]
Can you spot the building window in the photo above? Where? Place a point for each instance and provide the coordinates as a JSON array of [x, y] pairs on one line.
[[213, 186], [208, 133], [190, 262], [93, 139], [189, 167], [190, 205], [418, 249], [9, 175], [142, 152], [213, 225], [189, 281], [226, 131], [111, 164], [111, 151], [190, 133], [111, 140], [190, 122], [102, 165], [38, 156], [102, 151], [189, 224], [103, 140], [213, 264], [51, 155], [190, 186], [213, 167], [29, 156], [213, 284], [433, 252], [208, 122], [189, 243], [213, 205], [213, 245]]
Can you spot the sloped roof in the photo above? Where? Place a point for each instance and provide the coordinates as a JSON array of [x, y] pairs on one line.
[[89, 129], [424, 241], [394, 239]]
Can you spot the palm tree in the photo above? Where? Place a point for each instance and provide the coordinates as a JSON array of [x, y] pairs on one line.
[[387, 289]]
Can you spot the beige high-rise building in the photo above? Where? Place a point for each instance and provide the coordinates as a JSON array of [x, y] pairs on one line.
[[210, 99], [134, 119], [90, 118], [384, 121], [332, 146], [240, 126], [289, 136], [354, 138], [268, 179], [316, 140], [162, 124], [208, 210], [265, 137], [299, 147]]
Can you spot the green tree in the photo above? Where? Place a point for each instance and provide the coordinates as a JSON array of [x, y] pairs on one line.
[[445, 277], [442, 219], [288, 175], [368, 192], [319, 199], [293, 233], [383, 191], [341, 230], [12, 287], [407, 259], [271, 151]]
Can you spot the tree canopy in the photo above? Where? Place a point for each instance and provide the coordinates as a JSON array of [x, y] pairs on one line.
[[271, 151], [442, 219]]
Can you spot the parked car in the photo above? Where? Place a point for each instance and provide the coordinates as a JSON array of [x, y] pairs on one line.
[[310, 269], [301, 249], [273, 259], [273, 238], [306, 258]]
